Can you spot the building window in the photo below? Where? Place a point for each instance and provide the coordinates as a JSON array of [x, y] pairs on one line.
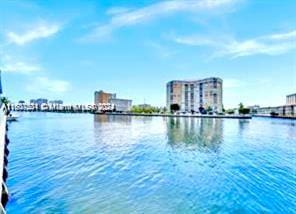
[[215, 99], [215, 83]]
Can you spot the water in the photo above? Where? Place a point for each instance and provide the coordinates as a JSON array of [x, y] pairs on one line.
[[81, 163]]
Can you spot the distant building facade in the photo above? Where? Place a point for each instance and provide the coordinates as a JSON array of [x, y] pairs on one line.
[[194, 95], [291, 99], [120, 105], [144, 106], [103, 97], [288, 110], [39, 101], [56, 102]]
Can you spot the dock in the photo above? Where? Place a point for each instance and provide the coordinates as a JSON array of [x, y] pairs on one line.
[[4, 141]]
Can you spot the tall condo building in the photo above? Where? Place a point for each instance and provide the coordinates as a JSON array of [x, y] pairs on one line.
[[194, 95]]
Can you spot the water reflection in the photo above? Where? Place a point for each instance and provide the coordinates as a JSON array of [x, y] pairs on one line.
[[203, 134], [103, 118], [243, 125]]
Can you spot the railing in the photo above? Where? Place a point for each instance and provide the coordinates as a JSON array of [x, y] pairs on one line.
[[3, 158]]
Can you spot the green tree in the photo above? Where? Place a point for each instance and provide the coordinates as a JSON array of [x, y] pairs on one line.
[[164, 109], [209, 109], [5, 100], [175, 107], [243, 110], [230, 111]]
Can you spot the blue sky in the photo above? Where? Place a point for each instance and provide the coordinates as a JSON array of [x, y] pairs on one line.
[[68, 49]]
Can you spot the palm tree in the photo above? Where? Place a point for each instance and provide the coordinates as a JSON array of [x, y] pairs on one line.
[[5, 100]]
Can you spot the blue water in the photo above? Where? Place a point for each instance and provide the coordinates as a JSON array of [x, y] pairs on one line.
[[81, 163]]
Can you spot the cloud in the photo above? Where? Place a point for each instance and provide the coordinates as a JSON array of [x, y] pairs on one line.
[[117, 10], [41, 30], [9, 64], [41, 85], [123, 18], [274, 44], [21, 67]]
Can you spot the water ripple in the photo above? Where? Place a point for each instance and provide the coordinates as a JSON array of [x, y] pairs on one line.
[[80, 163]]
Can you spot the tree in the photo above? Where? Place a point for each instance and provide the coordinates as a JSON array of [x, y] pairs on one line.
[[209, 109], [241, 106], [175, 107], [230, 111], [223, 109], [5, 100], [243, 110], [202, 110], [164, 109]]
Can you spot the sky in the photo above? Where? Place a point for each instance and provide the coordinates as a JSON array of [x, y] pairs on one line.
[[69, 49]]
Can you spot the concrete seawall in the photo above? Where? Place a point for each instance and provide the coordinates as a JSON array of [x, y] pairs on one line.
[[188, 116]]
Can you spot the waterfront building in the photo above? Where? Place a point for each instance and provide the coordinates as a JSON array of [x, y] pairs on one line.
[[103, 97], [288, 110], [39, 101], [253, 109], [120, 105], [196, 95], [285, 111], [291, 99], [56, 102]]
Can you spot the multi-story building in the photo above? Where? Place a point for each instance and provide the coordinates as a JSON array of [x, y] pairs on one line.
[[120, 105], [103, 97], [291, 99], [195, 95]]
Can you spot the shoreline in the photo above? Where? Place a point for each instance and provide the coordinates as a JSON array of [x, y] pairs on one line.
[[170, 115], [276, 117], [187, 116]]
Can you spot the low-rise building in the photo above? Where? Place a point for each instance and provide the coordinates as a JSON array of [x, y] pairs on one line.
[[56, 102], [120, 105], [39, 101], [288, 110], [291, 99]]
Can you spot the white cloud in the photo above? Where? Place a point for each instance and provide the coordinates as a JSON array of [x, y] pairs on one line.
[[273, 44], [144, 14], [117, 10], [195, 40], [10, 64], [41, 30], [44, 85], [21, 67]]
